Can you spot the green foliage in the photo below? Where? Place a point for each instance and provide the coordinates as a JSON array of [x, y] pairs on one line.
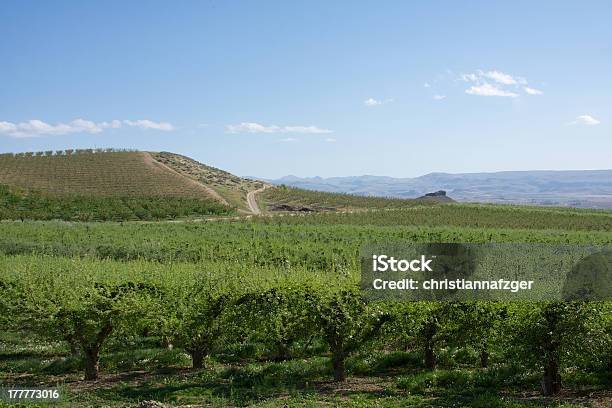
[[72, 300], [21, 205], [464, 216], [322, 201], [193, 317], [551, 335], [279, 317], [346, 323], [251, 292], [553, 329]]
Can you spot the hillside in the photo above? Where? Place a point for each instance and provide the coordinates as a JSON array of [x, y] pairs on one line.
[[114, 185], [586, 188], [124, 185], [231, 188], [99, 174], [291, 199], [101, 185]]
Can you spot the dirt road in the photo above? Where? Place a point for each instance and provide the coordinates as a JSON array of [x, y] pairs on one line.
[[252, 202]]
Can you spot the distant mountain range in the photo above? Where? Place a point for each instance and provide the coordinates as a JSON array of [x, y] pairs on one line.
[[580, 188]]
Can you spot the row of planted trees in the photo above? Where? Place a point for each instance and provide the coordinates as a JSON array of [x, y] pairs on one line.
[[202, 307], [67, 152]]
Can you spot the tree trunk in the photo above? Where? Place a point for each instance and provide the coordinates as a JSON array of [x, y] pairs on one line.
[[551, 383], [92, 363], [309, 343], [430, 356], [74, 346], [339, 367], [429, 333], [282, 352], [484, 358], [197, 358], [91, 351], [74, 349]]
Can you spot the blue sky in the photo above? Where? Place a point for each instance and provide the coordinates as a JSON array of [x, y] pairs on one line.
[[329, 88]]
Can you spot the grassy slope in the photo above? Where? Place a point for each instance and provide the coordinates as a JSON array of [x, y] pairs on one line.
[[232, 188], [104, 174], [100, 186], [18, 204], [322, 201]]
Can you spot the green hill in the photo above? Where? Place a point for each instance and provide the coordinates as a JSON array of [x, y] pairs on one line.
[[106, 173], [291, 199], [101, 185], [117, 185]]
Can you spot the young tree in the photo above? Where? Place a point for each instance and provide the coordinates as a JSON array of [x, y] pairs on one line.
[[479, 326], [72, 300], [279, 317], [435, 325], [346, 322], [549, 333], [193, 318]]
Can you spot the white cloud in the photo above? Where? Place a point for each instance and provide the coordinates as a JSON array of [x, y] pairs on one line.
[[497, 83], [489, 90], [330, 140], [469, 77], [426, 85], [7, 128], [376, 102], [587, 120], [439, 97], [372, 102], [304, 129], [113, 124], [149, 124], [499, 77], [252, 127], [288, 139], [36, 128], [532, 91]]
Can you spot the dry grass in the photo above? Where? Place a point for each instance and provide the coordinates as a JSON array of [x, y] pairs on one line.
[[232, 188]]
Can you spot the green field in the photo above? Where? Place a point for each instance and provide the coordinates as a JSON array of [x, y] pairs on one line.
[[19, 204], [101, 185], [265, 312], [322, 201]]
